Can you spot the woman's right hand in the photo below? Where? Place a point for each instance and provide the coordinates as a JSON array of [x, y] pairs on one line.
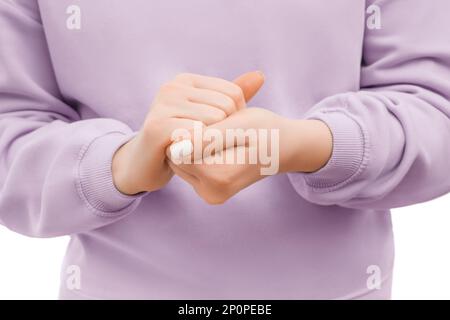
[[140, 164]]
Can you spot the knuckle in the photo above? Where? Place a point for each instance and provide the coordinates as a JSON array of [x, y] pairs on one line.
[[229, 105], [236, 93], [167, 88], [169, 93], [160, 107], [184, 78], [215, 116]]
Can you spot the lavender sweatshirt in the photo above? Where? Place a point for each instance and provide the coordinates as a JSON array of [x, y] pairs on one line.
[[69, 97]]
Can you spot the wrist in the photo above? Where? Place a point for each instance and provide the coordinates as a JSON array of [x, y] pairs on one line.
[[309, 145], [122, 175]]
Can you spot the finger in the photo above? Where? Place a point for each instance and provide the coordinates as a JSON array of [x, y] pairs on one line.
[[250, 83], [201, 141], [194, 172], [212, 98], [189, 178], [194, 146], [237, 129], [242, 172], [228, 88], [239, 172], [199, 112]]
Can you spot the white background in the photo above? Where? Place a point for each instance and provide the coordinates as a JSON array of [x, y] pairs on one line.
[[29, 268]]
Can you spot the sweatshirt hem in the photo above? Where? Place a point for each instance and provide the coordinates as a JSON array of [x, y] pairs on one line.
[[384, 293]]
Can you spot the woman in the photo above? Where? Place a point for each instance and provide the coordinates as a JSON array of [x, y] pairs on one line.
[[362, 112]]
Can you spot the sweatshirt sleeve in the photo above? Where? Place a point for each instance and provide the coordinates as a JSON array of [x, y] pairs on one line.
[[391, 140], [55, 169]]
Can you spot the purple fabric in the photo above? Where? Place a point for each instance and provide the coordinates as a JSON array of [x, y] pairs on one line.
[[70, 98]]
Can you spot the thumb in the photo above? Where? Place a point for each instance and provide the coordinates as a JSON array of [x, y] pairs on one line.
[[250, 83]]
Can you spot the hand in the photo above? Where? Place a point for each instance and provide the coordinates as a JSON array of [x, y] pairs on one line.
[[295, 146], [140, 164]]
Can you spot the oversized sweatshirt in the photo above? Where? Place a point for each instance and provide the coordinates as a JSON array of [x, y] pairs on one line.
[[77, 78]]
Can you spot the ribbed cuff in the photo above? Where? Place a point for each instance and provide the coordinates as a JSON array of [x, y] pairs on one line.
[[349, 154], [95, 180]]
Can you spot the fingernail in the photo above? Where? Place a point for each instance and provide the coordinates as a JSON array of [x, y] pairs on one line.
[[261, 74], [181, 149]]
